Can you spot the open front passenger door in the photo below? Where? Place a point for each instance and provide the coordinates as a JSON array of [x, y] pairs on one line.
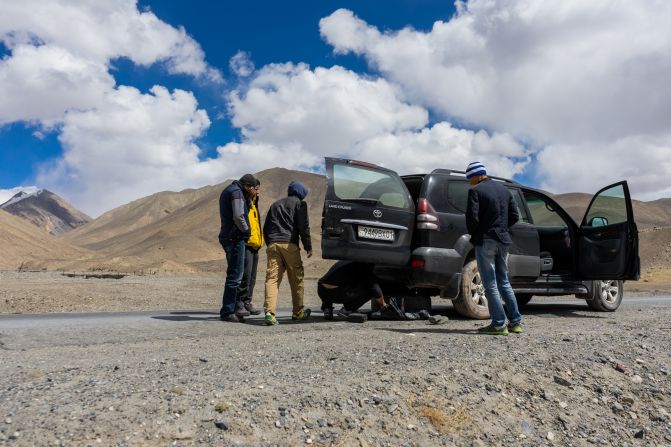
[[608, 237]]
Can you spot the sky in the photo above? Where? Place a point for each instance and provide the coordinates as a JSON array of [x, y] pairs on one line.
[[107, 101]]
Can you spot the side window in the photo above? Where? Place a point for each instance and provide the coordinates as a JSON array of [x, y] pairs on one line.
[[519, 202], [457, 196], [608, 208], [542, 212]]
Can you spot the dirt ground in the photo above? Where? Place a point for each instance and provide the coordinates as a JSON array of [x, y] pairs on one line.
[[575, 377]]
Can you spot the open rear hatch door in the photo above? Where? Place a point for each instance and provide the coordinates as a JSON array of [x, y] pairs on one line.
[[368, 214], [608, 237]]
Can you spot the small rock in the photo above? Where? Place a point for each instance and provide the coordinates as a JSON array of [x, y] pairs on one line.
[[203, 359], [478, 443], [627, 400], [636, 379], [178, 390], [617, 408], [550, 436], [561, 381], [278, 424], [222, 406], [411, 427], [563, 405], [182, 436], [8, 421], [308, 440], [640, 361], [640, 434], [619, 367], [222, 424], [548, 395]]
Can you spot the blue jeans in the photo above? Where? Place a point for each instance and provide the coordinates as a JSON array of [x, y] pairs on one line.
[[235, 258], [492, 258]]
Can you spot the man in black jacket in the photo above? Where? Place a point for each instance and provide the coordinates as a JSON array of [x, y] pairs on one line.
[[490, 213], [233, 211], [287, 221]]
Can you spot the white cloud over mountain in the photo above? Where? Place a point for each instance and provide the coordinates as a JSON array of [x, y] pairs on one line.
[[576, 79], [565, 85]]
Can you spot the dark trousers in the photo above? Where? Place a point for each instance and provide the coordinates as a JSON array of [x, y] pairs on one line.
[[235, 257], [246, 289], [351, 298]]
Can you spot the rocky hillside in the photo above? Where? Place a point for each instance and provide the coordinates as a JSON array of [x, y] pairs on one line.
[[46, 210]]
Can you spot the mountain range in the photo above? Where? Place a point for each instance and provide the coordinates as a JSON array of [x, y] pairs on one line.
[[177, 231], [46, 210]]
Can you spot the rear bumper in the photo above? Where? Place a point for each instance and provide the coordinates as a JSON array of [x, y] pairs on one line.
[[442, 270], [370, 253]]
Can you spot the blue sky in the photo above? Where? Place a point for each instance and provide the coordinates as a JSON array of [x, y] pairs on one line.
[[132, 98]]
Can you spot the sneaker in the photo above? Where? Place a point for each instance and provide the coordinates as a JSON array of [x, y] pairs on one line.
[[251, 309], [344, 312], [493, 330], [270, 319], [515, 328], [328, 313], [302, 315], [232, 318]]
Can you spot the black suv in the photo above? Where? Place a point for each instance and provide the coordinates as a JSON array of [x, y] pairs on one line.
[[408, 227]]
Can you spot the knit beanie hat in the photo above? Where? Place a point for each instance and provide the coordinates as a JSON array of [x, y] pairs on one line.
[[475, 168]]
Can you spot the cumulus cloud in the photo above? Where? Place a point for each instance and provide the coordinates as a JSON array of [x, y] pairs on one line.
[[569, 76], [241, 64]]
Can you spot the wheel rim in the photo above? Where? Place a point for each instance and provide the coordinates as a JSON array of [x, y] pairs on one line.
[[478, 291], [610, 292]]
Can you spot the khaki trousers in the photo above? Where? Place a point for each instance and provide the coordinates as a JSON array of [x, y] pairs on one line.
[[284, 257]]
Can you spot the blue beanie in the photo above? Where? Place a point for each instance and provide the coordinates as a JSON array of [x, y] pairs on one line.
[[475, 168], [297, 189]]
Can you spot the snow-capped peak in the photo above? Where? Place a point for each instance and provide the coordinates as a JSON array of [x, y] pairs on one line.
[[22, 195]]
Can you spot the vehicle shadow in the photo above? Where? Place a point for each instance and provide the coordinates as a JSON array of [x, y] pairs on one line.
[[540, 309]]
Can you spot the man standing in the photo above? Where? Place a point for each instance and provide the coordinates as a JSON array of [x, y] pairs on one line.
[[490, 213], [287, 221], [254, 243], [233, 210]]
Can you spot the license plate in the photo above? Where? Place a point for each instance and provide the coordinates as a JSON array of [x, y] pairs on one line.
[[379, 234]]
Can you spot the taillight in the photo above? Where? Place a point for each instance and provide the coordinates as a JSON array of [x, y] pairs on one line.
[[417, 264], [427, 218]]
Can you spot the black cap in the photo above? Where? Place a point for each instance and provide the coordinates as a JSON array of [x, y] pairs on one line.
[[247, 180]]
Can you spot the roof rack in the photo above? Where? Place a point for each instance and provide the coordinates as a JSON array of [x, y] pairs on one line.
[[460, 173]]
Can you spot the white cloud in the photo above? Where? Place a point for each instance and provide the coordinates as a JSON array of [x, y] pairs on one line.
[[241, 64], [131, 145], [101, 31], [575, 74], [6, 194]]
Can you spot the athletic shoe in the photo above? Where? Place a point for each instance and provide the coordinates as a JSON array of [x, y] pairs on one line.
[[344, 312], [302, 315], [270, 319], [241, 312], [515, 328], [490, 329], [232, 318]]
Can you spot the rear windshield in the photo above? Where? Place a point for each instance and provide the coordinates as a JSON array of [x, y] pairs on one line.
[[360, 183]]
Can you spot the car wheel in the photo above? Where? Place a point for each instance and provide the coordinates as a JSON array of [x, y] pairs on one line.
[[606, 295], [472, 302], [523, 298]]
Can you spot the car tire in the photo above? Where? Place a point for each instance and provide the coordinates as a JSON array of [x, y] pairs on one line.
[[523, 299], [472, 302], [606, 295]]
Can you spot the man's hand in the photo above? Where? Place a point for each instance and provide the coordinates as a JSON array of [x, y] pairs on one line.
[[309, 253]]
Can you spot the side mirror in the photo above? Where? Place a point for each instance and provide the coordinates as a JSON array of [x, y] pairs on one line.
[[598, 222]]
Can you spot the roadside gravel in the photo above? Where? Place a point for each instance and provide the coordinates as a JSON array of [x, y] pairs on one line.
[[574, 378]]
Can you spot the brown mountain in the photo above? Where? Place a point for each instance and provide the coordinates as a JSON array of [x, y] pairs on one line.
[[178, 231], [46, 210], [24, 245]]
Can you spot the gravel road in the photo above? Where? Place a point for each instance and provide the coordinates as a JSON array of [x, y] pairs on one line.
[[183, 378]]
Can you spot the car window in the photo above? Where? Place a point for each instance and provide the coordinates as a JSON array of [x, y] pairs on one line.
[[357, 182], [457, 196], [519, 203], [608, 208], [542, 212]]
